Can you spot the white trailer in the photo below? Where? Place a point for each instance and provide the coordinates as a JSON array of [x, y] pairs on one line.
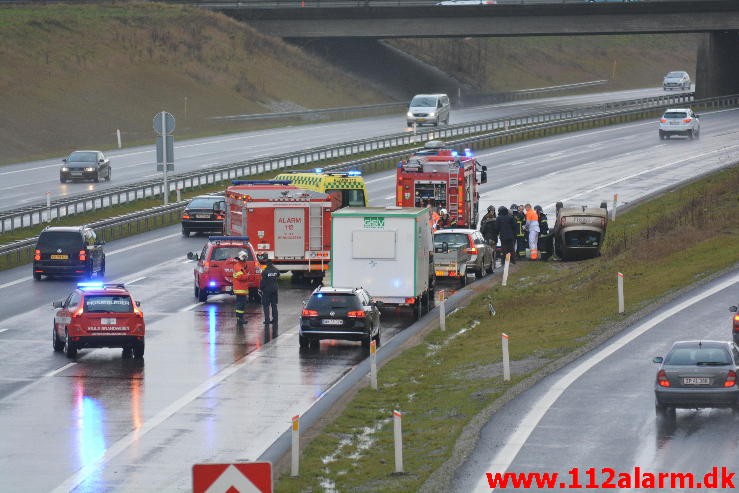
[[386, 250]]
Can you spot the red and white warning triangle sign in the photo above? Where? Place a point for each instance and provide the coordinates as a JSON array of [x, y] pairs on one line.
[[247, 477]]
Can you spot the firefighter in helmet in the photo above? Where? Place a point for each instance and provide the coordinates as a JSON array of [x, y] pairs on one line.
[[240, 286], [445, 220], [268, 287], [519, 221]]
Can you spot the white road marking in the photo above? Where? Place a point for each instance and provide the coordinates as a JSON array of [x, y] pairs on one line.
[[3, 330], [188, 308], [13, 283], [134, 280], [59, 370], [137, 434], [505, 456]]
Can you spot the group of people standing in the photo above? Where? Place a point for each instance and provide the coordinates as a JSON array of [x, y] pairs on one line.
[[517, 229], [268, 288]]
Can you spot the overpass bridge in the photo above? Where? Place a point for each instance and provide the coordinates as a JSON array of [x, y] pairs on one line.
[[718, 56]]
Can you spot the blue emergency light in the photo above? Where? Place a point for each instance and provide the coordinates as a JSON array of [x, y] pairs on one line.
[[89, 284], [318, 170], [228, 238], [354, 172], [455, 153], [212, 284], [260, 182], [468, 152]]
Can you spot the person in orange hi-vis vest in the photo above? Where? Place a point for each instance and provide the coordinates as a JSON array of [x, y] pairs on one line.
[[240, 287], [532, 224]]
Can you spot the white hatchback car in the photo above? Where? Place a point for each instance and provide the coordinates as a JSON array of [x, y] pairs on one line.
[[679, 79], [679, 121]]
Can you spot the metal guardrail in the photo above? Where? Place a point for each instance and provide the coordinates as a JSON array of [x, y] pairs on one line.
[[169, 214], [40, 213], [370, 109]]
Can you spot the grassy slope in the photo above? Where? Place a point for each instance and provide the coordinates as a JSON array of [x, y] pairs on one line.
[[450, 377], [503, 64], [72, 75]]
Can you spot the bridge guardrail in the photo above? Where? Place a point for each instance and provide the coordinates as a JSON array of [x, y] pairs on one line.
[[40, 212], [169, 214]]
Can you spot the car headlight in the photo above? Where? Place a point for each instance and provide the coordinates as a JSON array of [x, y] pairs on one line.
[[89, 170], [432, 114], [409, 114], [65, 169]]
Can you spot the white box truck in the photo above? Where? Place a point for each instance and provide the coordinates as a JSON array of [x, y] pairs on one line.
[[386, 250]]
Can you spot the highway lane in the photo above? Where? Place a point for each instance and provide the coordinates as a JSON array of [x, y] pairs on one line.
[[605, 417], [27, 183], [175, 411]]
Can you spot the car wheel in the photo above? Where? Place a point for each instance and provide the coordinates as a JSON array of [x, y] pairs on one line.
[[36, 276], [56, 343], [661, 135], [62, 180], [463, 280], [101, 272], [127, 353], [110, 173], [138, 350], [690, 134], [366, 342], [491, 267], [97, 177], [697, 134], [200, 294], [478, 272], [185, 233], [70, 350]]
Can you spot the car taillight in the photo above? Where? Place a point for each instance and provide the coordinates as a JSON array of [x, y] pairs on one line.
[[78, 311], [687, 120], [736, 323], [309, 313], [37, 255], [219, 216], [185, 216], [472, 250], [410, 301], [356, 314], [663, 120], [730, 379], [662, 379], [83, 255]]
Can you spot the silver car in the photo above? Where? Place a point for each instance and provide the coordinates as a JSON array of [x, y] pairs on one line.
[[697, 374], [679, 121], [482, 255], [678, 79]]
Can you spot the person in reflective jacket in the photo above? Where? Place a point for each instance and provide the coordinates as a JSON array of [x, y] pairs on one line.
[[240, 285], [268, 286]]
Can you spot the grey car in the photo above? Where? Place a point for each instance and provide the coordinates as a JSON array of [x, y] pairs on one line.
[[678, 79], [85, 165], [697, 374], [482, 255]]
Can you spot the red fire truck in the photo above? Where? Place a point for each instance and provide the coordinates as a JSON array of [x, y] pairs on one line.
[[440, 176], [291, 225]]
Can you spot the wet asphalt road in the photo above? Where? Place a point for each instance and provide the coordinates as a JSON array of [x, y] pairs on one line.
[[209, 392]]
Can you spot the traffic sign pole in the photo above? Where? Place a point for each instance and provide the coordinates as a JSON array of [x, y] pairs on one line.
[[164, 152]]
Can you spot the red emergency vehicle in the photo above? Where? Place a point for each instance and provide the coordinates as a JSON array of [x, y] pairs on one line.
[[439, 175], [215, 266], [289, 224]]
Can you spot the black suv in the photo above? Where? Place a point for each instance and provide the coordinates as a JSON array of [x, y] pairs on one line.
[[339, 313], [68, 251], [204, 214]]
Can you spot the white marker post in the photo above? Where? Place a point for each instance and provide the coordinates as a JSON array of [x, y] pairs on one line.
[[373, 364], [294, 467], [48, 207], [442, 310], [613, 210], [505, 268], [179, 194], [118, 133], [398, 435], [620, 293], [506, 358]]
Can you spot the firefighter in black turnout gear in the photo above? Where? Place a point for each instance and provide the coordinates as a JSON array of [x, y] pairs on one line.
[[546, 238], [521, 242], [268, 287]]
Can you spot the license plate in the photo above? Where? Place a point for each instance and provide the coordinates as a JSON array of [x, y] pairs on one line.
[[332, 321], [696, 381], [421, 119], [202, 216], [76, 173], [59, 257], [228, 288], [107, 321]]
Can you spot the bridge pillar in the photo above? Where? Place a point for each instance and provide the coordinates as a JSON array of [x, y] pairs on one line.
[[718, 64]]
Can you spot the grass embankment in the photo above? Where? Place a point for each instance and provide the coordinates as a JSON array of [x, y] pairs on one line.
[[442, 383], [74, 73]]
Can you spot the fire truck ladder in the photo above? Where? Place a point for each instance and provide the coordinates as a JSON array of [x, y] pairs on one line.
[[452, 204], [315, 225]]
